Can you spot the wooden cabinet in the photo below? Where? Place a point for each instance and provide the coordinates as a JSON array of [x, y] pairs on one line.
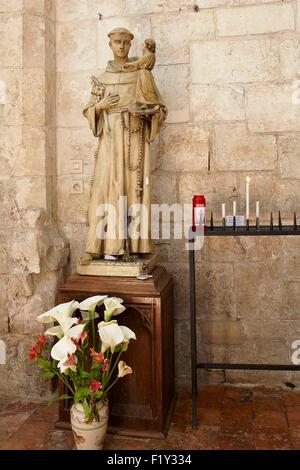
[[140, 404]]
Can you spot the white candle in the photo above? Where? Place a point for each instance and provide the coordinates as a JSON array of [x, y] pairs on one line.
[[257, 209], [234, 208], [223, 211], [247, 197]]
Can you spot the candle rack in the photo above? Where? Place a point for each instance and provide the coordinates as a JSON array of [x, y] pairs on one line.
[[212, 230]]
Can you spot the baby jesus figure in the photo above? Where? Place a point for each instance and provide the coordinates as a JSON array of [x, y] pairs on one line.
[[147, 94]]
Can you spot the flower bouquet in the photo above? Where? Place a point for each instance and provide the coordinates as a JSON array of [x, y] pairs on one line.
[[86, 359]]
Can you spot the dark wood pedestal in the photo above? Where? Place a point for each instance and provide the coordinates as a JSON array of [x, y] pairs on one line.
[[140, 404]]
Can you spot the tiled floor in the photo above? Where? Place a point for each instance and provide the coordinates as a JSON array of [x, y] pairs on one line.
[[230, 418]]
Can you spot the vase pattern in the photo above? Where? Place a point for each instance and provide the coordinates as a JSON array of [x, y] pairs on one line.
[[89, 436]]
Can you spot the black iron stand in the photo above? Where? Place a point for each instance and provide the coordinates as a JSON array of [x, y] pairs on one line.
[[231, 232]]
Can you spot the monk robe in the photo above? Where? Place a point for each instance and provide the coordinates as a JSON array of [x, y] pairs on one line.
[[113, 177]]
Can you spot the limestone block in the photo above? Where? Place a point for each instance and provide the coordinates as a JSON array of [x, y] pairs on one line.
[[34, 113], [289, 149], [29, 159], [73, 93], [291, 306], [163, 188], [236, 249], [139, 26], [260, 292], [72, 206], [75, 144], [173, 48], [278, 113], [258, 19], [208, 184], [12, 109], [184, 148], [10, 147], [182, 338], [25, 381], [237, 150], [78, 10], [221, 332], [32, 218], [134, 7], [31, 192], [173, 84], [34, 41], [11, 30], [76, 235], [215, 293], [272, 329], [290, 59], [8, 209], [217, 103], [37, 6], [76, 46], [10, 5], [232, 61]]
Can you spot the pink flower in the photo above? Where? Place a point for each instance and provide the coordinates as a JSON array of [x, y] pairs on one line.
[[83, 337], [76, 344], [32, 356], [95, 386], [105, 365], [97, 357], [70, 361]]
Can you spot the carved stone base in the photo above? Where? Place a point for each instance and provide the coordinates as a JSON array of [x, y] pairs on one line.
[[101, 267], [140, 404]]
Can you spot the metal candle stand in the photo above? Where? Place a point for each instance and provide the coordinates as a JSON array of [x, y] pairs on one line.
[[222, 230]]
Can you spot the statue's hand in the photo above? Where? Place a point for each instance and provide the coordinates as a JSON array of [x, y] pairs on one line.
[[108, 102]]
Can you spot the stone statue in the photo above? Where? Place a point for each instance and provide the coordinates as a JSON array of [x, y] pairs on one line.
[[125, 113]]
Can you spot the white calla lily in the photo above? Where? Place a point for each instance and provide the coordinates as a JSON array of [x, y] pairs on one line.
[[92, 302], [65, 347], [62, 349], [59, 313], [110, 334], [128, 335], [113, 306]]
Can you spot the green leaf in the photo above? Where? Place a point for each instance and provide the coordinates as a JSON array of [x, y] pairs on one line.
[[86, 409], [65, 397], [43, 363]]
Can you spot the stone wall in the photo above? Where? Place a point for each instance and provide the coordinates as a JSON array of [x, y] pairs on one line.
[[32, 251], [226, 69]]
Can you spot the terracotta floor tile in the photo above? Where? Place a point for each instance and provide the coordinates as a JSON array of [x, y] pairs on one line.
[[237, 441], [209, 416], [292, 398], [4, 436], [271, 419], [204, 437], [24, 444], [11, 422], [294, 431], [238, 394], [267, 391], [216, 392], [124, 443], [59, 440], [267, 403], [293, 414], [295, 444], [272, 440]]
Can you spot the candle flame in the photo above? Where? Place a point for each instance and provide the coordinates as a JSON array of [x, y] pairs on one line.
[[248, 179]]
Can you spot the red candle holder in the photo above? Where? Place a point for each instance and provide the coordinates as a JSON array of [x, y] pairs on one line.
[[199, 206]]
